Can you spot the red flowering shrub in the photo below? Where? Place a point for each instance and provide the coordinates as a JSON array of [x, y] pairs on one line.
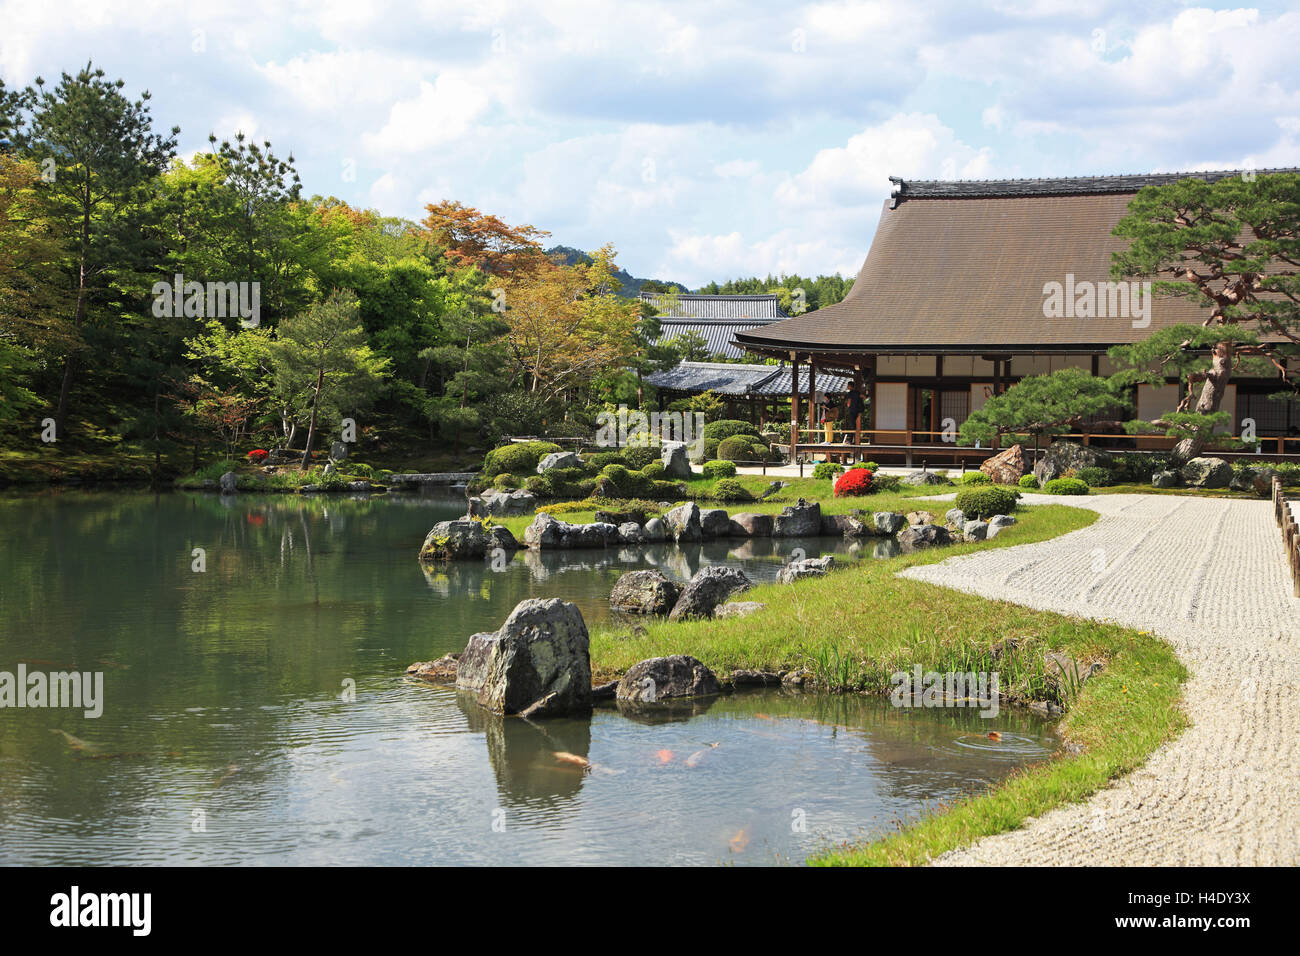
[[258, 455], [855, 481]]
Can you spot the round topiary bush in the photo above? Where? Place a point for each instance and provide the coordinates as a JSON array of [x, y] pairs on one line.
[[976, 478], [729, 489], [1066, 486], [737, 448], [718, 469], [826, 469], [517, 458], [985, 502], [654, 470], [855, 481], [726, 427], [358, 469], [1028, 482], [603, 458], [506, 482]]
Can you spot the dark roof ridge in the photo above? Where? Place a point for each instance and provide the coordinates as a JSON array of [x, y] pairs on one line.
[[1056, 186]]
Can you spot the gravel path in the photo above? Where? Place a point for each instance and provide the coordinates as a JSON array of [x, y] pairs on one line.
[[1208, 575]]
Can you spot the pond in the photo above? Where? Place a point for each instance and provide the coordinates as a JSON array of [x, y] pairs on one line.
[[257, 711]]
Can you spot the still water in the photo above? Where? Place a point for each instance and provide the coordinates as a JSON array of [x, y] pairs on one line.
[[257, 712]]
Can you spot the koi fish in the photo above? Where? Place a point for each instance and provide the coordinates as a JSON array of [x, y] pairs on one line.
[[762, 716], [564, 757], [739, 841], [694, 759], [76, 743], [994, 735], [665, 756]]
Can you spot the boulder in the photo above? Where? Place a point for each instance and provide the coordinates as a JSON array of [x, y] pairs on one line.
[[975, 530], [714, 523], [753, 678], [1262, 482], [923, 478], [1006, 467], [889, 523], [1206, 473], [846, 526], [339, 451], [922, 536], [654, 531], [920, 517], [558, 459], [499, 502], [997, 523], [677, 466], [1061, 456], [458, 540], [738, 608], [629, 532], [1164, 479], [662, 678], [500, 537], [443, 669], [546, 531], [229, 483], [540, 656], [644, 592], [708, 588], [801, 520], [749, 524], [683, 523], [954, 518], [807, 568]]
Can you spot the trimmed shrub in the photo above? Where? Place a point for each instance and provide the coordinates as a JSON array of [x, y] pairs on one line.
[[654, 470], [736, 448], [826, 469], [383, 475], [881, 482], [536, 484], [603, 458], [616, 481], [717, 469], [669, 491], [1028, 482], [1288, 471], [1095, 477], [708, 450], [506, 482], [976, 478], [729, 489], [517, 458], [1066, 486], [1138, 467], [639, 456], [985, 502], [726, 427], [855, 481], [358, 468]]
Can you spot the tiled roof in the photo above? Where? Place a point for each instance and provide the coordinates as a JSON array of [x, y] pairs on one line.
[[1066, 186], [717, 333], [725, 378], [692, 306]]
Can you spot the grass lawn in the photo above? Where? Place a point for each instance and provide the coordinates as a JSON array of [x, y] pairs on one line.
[[861, 624]]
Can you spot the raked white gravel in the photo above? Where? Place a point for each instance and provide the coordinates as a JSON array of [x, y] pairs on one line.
[[1209, 576]]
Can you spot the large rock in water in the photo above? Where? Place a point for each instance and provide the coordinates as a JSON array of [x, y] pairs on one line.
[[558, 459], [889, 523], [922, 536], [708, 588], [538, 661], [801, 520], [714, 523], [458, 540], [807, 568], [683, 523], [1206, 473], [661, 678], [229, 483], [676, 463], [846, 526], [1006, 467], [1064, 455], [644, 592], [750, 524]]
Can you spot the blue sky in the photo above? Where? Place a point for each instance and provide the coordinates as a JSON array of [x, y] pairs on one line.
[[705, 140]]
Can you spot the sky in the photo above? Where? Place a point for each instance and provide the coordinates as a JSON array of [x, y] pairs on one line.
[[705, 140]]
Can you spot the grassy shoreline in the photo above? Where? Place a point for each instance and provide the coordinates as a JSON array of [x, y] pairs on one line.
[[861, 624]]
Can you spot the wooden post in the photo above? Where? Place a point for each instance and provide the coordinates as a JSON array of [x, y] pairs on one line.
[[794, 407]]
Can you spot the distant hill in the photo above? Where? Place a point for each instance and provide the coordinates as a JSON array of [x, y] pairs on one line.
[[631, 284]]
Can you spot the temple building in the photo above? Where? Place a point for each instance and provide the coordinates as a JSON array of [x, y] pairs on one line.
[[969, 287], [717, 319]]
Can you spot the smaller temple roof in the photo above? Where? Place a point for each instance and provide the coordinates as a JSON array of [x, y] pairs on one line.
[[690, 305], [742, 381]]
